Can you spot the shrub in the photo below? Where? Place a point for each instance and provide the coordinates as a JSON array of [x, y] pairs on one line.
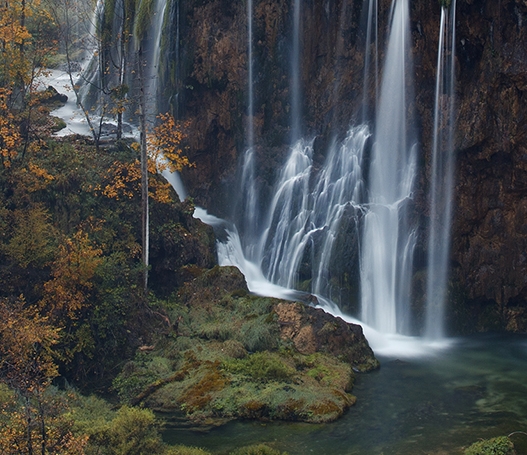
[[501, 445], [184, 450], [257, 449], [134, 431]]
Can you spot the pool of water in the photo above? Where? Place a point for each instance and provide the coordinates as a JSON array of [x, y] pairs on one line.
[[438, 404]]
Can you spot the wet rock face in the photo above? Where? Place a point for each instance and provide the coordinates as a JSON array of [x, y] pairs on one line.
[[313, 330], [489, 263], [489, 238]]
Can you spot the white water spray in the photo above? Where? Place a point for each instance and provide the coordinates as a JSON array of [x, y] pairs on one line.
[[248, 190], [441, 181], [388, 237]]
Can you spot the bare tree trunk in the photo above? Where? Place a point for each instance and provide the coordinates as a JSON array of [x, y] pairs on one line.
[[144, 168], [122, 73], [29, 423], [43, 432]]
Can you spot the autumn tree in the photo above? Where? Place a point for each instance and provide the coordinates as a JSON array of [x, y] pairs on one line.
[[67, 294], [162, 150], [27, 366], [9, 133]]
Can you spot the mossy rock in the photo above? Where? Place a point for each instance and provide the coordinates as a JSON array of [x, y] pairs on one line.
[[501, 445], [236, 355]]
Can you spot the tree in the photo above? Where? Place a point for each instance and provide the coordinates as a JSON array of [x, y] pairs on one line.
[[27, 364], [9, 135], [67, 294]]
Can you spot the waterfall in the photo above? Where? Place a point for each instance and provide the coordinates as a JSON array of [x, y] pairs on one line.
[[153, 53], [372, 36], [306, 212], [295, 75], [441, 178], [177, 56], [250, 88], [248, 195], [297, 238], [358, 188], [388, 236]]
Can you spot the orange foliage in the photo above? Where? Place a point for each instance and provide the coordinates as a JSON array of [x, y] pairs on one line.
[[26, 347], [164, 145], [73, 270], [9, 135], [165, 153]]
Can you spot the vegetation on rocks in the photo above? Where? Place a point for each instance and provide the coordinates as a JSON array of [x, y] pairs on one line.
[[229, 358], [501, 445]]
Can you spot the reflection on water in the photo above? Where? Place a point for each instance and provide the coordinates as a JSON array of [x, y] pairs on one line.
[[476, 389]]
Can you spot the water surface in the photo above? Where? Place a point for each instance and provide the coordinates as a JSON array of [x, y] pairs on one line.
[[475, 389]]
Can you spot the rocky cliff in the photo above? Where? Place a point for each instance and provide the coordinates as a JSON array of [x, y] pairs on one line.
[[489, 262]]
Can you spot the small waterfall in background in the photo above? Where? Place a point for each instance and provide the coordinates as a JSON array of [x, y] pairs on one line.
[[441, 176], [388, 238], [177, 56], [371, 51], [153, 53], [88, 77]]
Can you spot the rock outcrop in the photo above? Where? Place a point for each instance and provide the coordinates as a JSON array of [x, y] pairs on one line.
[[235, 355]]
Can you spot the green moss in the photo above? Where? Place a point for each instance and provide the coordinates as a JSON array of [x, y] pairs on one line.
[[199, 394], [259, 366], [143, 19], [257, 449], [501, 445], [137, 374], [184, 450]]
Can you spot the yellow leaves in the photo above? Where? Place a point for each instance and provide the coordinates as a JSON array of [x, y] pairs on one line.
[[164, 145], [26, 346], [45, 411], [73, 270], [123, 180], [32, 241], [9, 135]]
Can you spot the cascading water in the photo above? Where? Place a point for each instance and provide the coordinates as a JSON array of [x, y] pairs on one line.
[[153, 53], [442, 171], [293, 242], [249, 194], [371, 50], [295, 75], [177, 113], [388, 236], [308, 206]]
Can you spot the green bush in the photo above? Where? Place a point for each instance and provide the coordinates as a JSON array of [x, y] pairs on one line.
[[184, 450], [501, 445], [133, 431], [257, 449]]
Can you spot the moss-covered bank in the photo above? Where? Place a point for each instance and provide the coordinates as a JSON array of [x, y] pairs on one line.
[[235, 355]]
